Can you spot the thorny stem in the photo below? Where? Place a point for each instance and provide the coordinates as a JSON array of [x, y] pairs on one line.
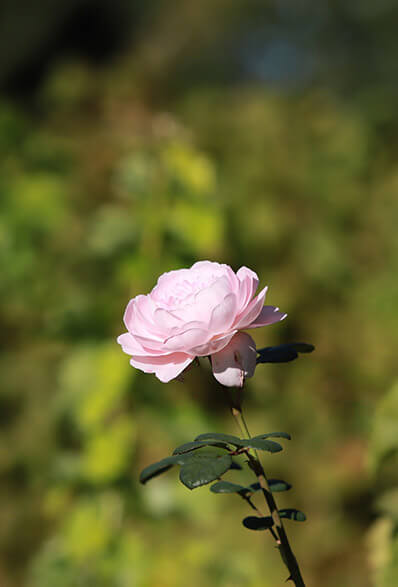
[[279, 534]]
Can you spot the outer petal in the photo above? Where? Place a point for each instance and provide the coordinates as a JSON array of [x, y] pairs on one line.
[[186, 340], [137, 316], [130, 345], [268, 315], [212, 346], [248, 283], [236, 361], [166, 367], [252, 311]]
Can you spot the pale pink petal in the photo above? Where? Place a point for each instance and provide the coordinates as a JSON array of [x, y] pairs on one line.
[[137, 321], [233, 279], [144, 313], [186, 340], [209, 297], [223, 315], [166, 368], [167, 280], [212, 346], [165, 319], [248, 283], [152, 345], [252, 311], [130, 345], [142, 346], [128, 317], [236, 361], [268, 315], [208, 266]]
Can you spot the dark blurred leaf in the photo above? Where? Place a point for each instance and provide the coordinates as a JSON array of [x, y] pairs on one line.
[[283, 353], [202, 469], [256, 523], [190, 446], [258, 442], [277, 485], [229, 438], [293, 514], [227, 487], [274, 484], [158, 468], [274, 435], [254, 487], [261, 444], [236, 466]]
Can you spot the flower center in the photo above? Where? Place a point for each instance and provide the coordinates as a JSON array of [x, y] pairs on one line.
[[182, 291]]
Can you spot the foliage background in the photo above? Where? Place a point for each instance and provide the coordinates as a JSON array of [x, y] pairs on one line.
[[140, 137]]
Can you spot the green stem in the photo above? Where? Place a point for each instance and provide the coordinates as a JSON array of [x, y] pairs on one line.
[[279, 533]]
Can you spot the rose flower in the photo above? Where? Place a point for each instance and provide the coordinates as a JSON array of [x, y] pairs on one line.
[[198, 312]]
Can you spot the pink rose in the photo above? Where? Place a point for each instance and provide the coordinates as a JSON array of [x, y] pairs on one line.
[[194, 313]]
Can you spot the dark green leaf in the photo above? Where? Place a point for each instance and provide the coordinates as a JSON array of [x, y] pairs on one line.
[[190, 446], [227, 487], [158, 468], [274, 435], [236, 466], [293, 514], [254, 487], [201, 469], [256, 523], [229, 438], [274, 484], [283, 353], [278, 485], [260, 444]]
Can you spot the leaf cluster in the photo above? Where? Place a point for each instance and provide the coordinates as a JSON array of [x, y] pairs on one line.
[[210, 455]]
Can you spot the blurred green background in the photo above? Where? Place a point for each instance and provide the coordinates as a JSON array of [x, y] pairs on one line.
[[137, 138]]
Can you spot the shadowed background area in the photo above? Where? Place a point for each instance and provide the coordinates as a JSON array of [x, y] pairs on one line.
[[136, 138]]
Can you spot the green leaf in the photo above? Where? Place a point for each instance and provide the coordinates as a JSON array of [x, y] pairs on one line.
[[158, 468], [236, 466], [274, 435], [293, 514], [274, 484], [254, 487], [229, 438], [201, 469], [227, 487], [260, 444], [190, 446], [277, 485], [256, 523]]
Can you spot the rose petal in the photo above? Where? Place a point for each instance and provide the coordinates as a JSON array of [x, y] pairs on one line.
[[268, 315], [223, 315], [166, 368], [165, 319], [207, 298], [130, 345], [248, 283], [186, 340], [236, 361], [212, 346], [137, 317], [252, 311]]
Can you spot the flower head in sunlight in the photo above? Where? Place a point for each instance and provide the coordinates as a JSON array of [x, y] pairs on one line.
[[198, 312]]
